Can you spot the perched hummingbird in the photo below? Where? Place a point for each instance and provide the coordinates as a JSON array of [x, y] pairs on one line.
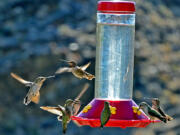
[[64, 113], [156, 106], [105, 114], [71, 107], [151, 112], [33, 93], [78, 71]]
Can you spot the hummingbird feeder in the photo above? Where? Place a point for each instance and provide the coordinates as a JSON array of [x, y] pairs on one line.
[[114, 68]]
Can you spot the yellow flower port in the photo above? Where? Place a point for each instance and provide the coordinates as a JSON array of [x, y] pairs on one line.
[[87, 108], [136, 110], [113, 110]]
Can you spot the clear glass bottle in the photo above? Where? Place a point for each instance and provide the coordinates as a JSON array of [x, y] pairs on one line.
[[115, 50]]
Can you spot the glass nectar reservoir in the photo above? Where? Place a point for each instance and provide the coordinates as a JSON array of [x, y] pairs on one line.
[[115, 50]]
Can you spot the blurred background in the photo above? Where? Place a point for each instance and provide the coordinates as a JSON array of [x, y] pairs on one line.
[[35, 34]]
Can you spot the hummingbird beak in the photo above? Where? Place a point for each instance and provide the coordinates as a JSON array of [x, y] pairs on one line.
[[148, 98], [50, 77], [63, 60]]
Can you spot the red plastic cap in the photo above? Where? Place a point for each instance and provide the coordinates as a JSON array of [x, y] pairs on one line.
[[116, 6]]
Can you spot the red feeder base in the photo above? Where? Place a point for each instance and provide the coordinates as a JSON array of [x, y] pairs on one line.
[[122, 114]]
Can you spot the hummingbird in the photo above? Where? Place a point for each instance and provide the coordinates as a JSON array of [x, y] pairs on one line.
[[64, 112], [157, 107], [77, 71], [71, 107], [33, 93], [151, 112], [105, 114]]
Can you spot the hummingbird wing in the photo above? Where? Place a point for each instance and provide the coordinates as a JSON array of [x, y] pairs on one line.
[[156, 114], [75, 107], [161, 111], [158, 108], [27, 83], [62, 109], [77, 104], [54, 110], [62, 70], [86, 86], [85, 66], [75, 122]]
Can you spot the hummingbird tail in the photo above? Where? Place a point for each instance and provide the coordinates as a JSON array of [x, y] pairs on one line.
[[86, 86], [59, 118], [89, 76], [26, 101], [101, 127], [64, 131], [163, 119]]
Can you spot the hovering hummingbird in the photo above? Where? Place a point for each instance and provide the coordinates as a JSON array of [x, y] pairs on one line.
[[64, 113], [157, 107], [71, 107], [33, 93], [151, 112], [78, 71], [105, 114]]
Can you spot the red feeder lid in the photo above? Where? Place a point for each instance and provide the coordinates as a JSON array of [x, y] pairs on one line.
[[116, 6]]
